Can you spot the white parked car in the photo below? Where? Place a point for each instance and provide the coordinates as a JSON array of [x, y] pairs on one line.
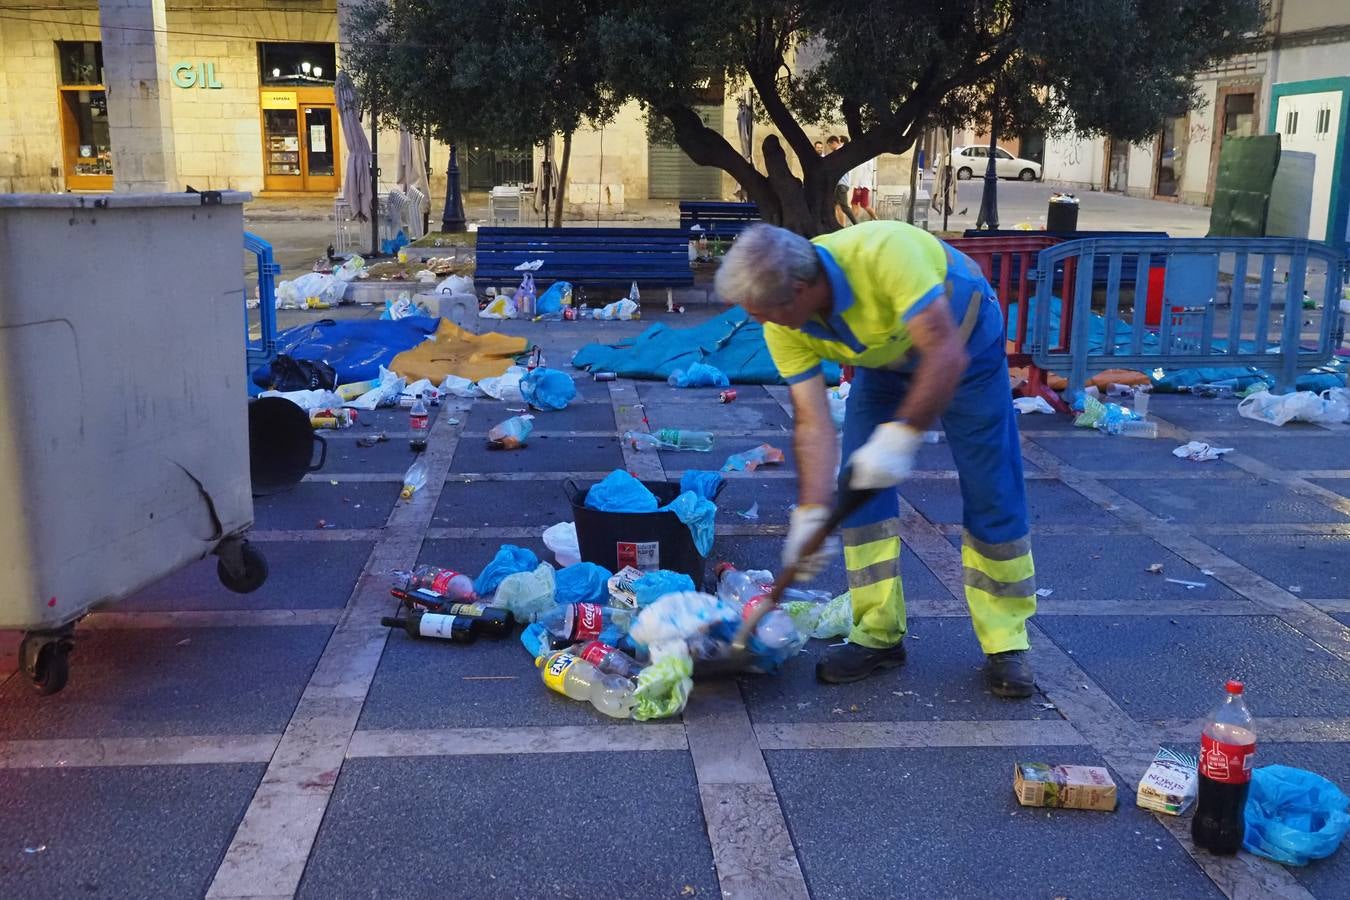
[[971, 162]]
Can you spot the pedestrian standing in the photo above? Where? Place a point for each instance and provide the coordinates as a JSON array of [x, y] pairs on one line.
[[841, 190]]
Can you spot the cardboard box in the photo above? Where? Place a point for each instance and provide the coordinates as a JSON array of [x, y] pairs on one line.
[[1170, 783], [1068, 787], [621, 587]]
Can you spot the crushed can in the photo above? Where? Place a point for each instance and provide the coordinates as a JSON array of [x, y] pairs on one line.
[[727, 396], [569, 314], [605, 376]]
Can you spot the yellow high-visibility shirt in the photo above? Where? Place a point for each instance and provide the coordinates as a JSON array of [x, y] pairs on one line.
[[881, 274]]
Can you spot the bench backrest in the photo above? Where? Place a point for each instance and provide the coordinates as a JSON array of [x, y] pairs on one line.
[[658, 256]]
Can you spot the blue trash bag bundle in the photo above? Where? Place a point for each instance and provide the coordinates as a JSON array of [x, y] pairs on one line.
[[699, 515], [1294, 816], [355, 349], [552, 301], [655, 585], [509, 560], [621, 492], [547, 388], [582, 582], [702, 482], [699, 375]]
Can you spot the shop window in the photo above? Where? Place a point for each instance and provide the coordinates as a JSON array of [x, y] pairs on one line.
[[83, 113], [1291, 122], [1323, 125], [297, 65]]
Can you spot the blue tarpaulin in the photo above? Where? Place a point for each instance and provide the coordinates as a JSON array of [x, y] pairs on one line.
[[356, 349], [732, 342]]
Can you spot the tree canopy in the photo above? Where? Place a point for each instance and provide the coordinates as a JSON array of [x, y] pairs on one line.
[[887, 69]]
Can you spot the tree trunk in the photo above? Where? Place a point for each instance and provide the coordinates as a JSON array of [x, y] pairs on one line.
[[562, 179], [547, 179]]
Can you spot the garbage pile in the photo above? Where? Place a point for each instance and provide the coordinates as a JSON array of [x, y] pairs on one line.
[[556, 303]]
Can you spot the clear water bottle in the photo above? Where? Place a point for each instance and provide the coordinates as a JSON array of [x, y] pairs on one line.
[[1227, 751], [574, 677], [609, 660], [736, 587], [415, 478]]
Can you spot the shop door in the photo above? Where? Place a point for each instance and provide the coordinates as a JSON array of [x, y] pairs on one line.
[[1118, 165], [672, 175], [321, 172]]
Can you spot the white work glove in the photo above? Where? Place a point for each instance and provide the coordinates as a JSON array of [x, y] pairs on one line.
[[806, 521], [886, 458]]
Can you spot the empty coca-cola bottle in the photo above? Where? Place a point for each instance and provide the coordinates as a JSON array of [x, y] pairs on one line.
[[1227, 751]]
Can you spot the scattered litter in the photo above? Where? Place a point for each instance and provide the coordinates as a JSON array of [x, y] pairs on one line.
[[1189, 585], [40, 848], [751, 460], [1044, 592], [1209, 572], [1155, 568], [699, 375], [1169, 785], [1046, 706], [545, 388], [1064, 786], [751, 513], [414, 479], [1331, 407], [1198, 451], [372, 439], [511, 434], [1035, 404]]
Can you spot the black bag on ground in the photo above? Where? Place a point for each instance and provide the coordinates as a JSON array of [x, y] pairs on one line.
[[289, 374]]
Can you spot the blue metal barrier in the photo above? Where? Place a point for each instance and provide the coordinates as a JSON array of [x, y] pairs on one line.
[[261, 351], [1214, 302]]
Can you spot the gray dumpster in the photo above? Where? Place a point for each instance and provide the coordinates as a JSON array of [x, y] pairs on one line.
[[123, 432]]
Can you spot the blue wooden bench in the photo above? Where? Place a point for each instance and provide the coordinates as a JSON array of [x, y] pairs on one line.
[[724, 219], [600, 257]]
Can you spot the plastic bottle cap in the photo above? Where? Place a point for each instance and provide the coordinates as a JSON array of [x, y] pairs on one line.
[[1233, 687]]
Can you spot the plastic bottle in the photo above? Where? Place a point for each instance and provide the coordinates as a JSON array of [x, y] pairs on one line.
[[609, 660], [434, 625], [1137, 428], [577, 622], [447, 583], [1227, 751], [414, 479], [511, 434], [670, 439], [418, 423], [734, 586], [774, 631], [574, 677]]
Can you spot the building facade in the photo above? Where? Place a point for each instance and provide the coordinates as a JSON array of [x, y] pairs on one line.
[[1293, 81]]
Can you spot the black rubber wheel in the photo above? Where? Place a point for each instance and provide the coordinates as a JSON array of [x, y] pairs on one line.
[[53, 668], [255, 571], [964, 173], [1026, 175]]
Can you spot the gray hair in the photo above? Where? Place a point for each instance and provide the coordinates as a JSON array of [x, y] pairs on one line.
[[764, 265]]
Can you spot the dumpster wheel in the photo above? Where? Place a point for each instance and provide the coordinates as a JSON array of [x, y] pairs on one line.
[[46, 659], [241, 567]]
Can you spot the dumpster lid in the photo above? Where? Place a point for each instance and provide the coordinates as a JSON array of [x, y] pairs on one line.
[[118, 201]]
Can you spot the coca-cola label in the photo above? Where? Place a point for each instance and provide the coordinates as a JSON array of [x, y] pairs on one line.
[[417, 423], [1226, 763], [441, 583], [434, 625], [587, 621], [555, 673], [595, 652], [644, 555]]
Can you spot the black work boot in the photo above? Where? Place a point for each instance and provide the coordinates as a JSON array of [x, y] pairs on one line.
[[853, 662], [1008, 674]]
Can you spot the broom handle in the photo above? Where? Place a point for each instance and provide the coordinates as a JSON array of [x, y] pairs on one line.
[[850, 502]]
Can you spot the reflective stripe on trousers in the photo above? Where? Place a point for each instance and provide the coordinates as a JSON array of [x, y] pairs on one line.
[[999, 576]]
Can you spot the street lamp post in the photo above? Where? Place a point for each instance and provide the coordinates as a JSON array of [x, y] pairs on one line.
[[452, 219], [988, 217]]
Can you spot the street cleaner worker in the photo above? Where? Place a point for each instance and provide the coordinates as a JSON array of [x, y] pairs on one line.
[[924, 331]]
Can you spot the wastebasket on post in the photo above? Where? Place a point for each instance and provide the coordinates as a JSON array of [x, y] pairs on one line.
[[123, 434], [1062, 213]]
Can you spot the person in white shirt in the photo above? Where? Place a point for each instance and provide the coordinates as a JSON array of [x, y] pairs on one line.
[[864, 182], [841, 190]]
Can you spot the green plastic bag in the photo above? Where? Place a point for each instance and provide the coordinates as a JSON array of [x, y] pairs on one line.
[[663, 687]]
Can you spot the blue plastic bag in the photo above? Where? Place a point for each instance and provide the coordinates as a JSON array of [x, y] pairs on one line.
[[704, 483], [655, 585], [697, 513], [582, 582], [535, 639], [1294, 816], [699, 375], [509, 560], [547, 389], [621, 492], [552, 301]]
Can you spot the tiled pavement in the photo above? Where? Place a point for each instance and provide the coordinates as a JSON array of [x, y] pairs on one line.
[[284, 744]]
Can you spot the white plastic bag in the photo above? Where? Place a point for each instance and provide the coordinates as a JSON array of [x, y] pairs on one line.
[[455, 386], [838, 400], [668, 622], [620, 309], [1198, 451], [324, 288], [385, 394], [351, 270], [456, 284], [1036, 404], [561, 540], [505, 387], [1305, 406], [309, 401]]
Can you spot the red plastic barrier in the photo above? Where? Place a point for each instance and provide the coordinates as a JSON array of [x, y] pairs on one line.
[[1006, 262]]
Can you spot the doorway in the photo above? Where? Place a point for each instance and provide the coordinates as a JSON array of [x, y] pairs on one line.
[[300, 141], [86, 145], [1235, 116], [1117, 166]]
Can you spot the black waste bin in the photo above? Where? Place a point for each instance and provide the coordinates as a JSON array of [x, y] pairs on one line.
[[647, 541], [1062, 214]]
